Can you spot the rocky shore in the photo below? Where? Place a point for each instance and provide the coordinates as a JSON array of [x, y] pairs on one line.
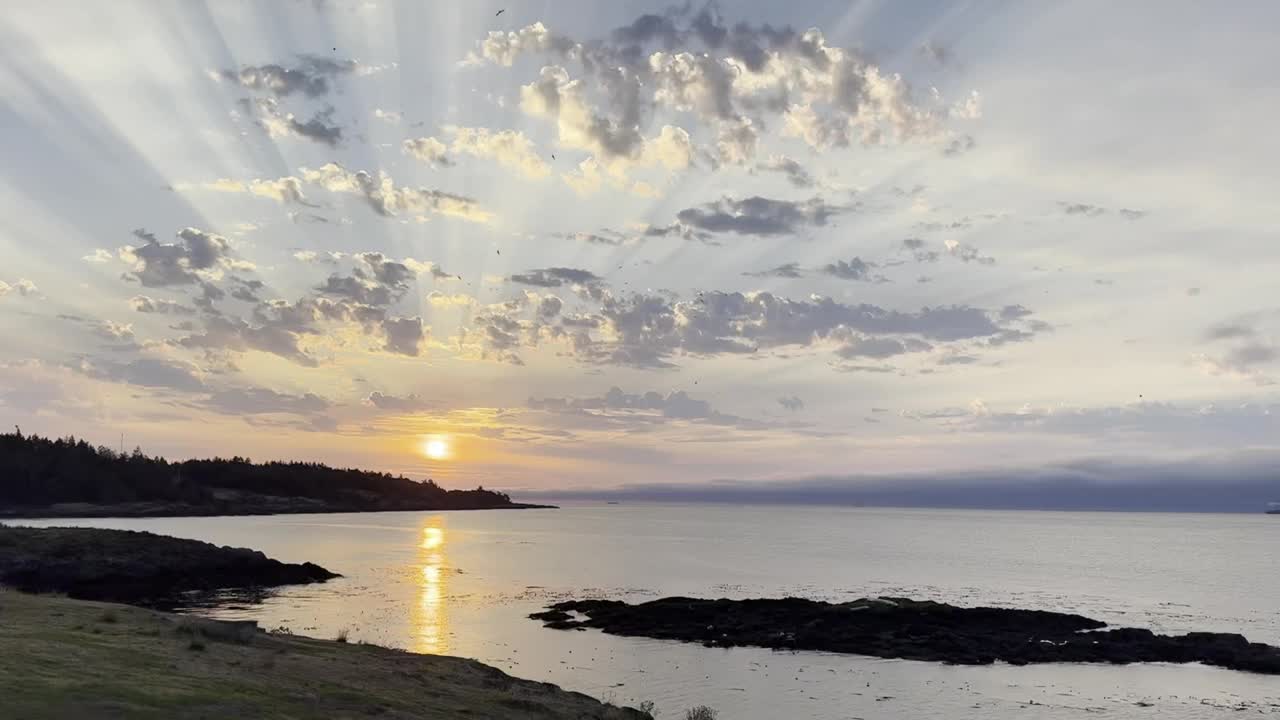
[[908, 629], [136, 567]]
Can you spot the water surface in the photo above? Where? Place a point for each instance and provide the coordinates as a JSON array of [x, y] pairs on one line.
[[462, 583]]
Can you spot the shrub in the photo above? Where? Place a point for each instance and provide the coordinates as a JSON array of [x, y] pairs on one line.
[[342, 635], [701, 712]]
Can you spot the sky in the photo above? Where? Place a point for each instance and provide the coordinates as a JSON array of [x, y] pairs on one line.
[[583, 245]]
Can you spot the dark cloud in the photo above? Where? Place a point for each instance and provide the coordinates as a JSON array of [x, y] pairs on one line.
[[404, 335], [1228, 331], [1082, 209], [758, 216], [1128, 214], [958, 360], [159, 264], [262, 401], [146, 372], [311, 77], [555, 277], [787, 270], [792, 402], [855, 269]]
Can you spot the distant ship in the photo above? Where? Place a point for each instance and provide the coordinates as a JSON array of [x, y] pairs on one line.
[[1273, 508]]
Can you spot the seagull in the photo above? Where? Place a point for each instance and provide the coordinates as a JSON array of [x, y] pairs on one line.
[[499, 12], [499, 252]]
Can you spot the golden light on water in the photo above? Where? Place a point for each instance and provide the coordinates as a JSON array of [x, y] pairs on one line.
[[430, 617]]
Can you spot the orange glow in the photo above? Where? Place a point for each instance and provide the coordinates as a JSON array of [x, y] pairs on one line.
[[429, 616]]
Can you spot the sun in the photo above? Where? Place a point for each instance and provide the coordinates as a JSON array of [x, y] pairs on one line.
[[436, 449]]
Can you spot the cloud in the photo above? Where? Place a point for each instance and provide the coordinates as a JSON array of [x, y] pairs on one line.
[[407, 403], [23, 287], [429, 150], [958, 145], [99, 256], [555, 277], [157, 264], [648, 331], [509, 148], [278, 123], [792, 403], [326, 258], [144, 304], [1082, 209], [282, 190], [758, 216], [786, 270], [794, 171], [735, 78], [855, 269], [404, 335], [386, 199], [311, 77], [935, 53], [145, 372], [1228, 332], [618, 407], [967, 253], [389, 116], [915, 246], [263, 401]]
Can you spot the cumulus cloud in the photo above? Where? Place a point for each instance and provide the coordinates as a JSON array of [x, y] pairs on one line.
[[509, 148], [196, 253], [736, 78], [389, 116], [386, 199], [23, 287], [144, 304], [278, 123], [283, 190], [555, 277], [916, 246], [99, 255], [429, 150]]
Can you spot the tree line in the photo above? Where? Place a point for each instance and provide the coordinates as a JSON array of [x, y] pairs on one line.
[[37, 471]]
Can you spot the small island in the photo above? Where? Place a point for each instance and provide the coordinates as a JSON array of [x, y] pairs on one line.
[[68, 478], [909, 630]]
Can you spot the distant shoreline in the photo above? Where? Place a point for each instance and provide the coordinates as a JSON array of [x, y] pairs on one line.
[[160, 510]]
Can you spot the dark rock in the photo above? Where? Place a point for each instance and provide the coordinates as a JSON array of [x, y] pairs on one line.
[[908, 629], [136, 567]]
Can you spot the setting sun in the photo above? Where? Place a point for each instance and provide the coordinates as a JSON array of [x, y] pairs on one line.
[[436, 449]]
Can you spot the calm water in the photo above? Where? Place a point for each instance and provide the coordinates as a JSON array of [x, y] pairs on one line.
[[462, 583]]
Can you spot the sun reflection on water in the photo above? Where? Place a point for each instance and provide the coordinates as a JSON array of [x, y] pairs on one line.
[[430, 617]]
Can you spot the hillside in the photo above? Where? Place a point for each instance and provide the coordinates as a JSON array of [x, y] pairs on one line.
[[67, 477]]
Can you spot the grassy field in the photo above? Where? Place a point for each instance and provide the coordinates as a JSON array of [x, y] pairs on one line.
[[62, 658]]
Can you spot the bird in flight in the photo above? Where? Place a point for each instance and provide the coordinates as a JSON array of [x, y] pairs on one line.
[[499, 12]]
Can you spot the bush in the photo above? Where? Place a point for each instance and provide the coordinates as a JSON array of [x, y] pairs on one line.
[[342, 635], [701, 712], [646, 707]]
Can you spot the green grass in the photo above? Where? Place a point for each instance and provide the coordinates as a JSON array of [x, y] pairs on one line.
[[62, 658]]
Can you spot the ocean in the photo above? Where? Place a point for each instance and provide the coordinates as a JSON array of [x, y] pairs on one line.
[[462, 583]]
